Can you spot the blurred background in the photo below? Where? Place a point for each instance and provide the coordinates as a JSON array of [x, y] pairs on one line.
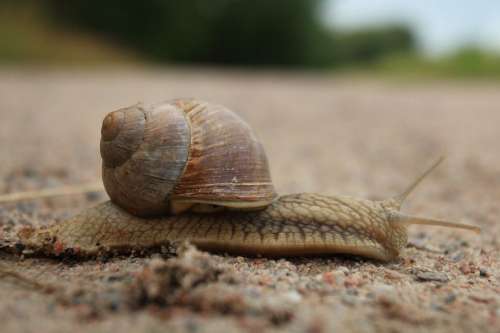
[[351, 97], [344, 83], [424, 38]]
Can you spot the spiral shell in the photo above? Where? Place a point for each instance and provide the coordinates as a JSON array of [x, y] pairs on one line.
[[182, 154]]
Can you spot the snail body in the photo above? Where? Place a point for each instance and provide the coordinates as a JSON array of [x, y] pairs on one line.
[[293, 225], [248, 217], [298, 224]]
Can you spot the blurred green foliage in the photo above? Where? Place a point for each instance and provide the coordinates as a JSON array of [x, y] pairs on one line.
[[285, 33], [369, 46], [468, 62], [256, 32], [27, 37], [277, 33]]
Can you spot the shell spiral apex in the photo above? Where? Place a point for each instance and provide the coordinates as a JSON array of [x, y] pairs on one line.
[[112, 125], [121, 135]]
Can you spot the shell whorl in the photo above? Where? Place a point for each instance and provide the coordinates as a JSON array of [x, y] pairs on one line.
[[145, 157], [227, 164], [182, 152]]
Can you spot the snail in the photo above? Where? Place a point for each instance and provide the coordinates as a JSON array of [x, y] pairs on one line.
[[187, 170]]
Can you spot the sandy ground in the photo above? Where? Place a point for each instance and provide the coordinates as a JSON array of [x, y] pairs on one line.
[[352, 136]]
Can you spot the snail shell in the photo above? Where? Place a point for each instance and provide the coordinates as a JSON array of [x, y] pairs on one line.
[[182, 154]]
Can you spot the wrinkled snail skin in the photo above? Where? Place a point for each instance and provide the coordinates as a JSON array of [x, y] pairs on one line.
[[293, 225]]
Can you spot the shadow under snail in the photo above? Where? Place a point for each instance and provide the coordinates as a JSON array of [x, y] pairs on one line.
[[187, 170]]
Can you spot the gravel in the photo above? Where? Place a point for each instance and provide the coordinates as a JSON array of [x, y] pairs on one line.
[[354, 136]]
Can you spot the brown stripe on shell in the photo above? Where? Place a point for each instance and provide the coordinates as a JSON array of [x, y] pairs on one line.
[[226, 163]]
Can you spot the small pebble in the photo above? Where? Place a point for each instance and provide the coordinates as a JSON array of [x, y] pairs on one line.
[[293, 296], [93, 196], [353, 281], [481, 298], [451, 298], [383, 289], [343, 269], [483, 272], [393, 275], [432, 276], [467, 268], [349, 299], [458, 256], [436, 307]]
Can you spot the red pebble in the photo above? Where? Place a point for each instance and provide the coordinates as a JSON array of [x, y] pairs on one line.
[[58, 248]]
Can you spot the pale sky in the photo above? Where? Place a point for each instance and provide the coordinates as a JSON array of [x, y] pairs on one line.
[[441, 26]]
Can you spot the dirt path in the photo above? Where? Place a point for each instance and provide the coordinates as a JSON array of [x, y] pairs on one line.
[[350, 136]]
